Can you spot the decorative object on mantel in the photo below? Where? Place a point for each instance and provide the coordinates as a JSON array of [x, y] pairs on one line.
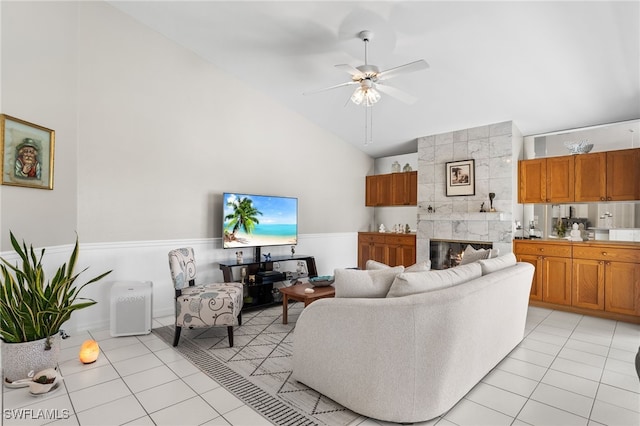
[[430, 209], [239, 257], [482, 209], [581, 147], [407, 168], [27, 153], [395, 167], [460, 177], [382, 228], [407, 229], [492, 195]]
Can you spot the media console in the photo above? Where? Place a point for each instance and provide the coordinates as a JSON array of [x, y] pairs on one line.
[[260, 291]]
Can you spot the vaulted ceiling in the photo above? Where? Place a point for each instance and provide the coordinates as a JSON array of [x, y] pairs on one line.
[[545, 65]]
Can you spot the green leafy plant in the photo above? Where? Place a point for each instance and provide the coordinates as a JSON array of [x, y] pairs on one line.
[[32, 308]]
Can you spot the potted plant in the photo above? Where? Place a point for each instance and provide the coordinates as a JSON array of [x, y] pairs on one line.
[[32, 309]]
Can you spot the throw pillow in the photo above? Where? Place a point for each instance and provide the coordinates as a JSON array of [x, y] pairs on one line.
[[372, 265], [358, 283], [419, 267], [471, 255], [492, 265], [406, 284]]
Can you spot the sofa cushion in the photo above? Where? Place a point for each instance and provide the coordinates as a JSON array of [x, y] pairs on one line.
[[470, 254], [408, 283], [492, 265], [372, 265], [358, 283]]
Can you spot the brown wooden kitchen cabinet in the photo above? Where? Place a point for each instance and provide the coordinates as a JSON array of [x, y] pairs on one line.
[[393, 189], [546, 180], [609, 278], [378, 190], [552, 278], [600, 278], [390, 249], [608, 176]]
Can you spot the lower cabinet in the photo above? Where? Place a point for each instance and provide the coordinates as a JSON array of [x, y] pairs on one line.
[[391, 249], [552, 278], [598, 277]]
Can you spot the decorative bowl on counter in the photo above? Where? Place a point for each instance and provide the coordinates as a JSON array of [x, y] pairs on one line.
[[581, 147]]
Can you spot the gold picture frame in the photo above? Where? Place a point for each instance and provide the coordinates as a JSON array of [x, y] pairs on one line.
[[27, 152]]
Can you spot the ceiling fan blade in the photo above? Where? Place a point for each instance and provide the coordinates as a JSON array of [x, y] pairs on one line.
[[313, 92], [396, 93], [402, 69], [355, 72]]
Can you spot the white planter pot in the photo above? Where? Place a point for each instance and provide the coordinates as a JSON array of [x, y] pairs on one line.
[[18, 359]]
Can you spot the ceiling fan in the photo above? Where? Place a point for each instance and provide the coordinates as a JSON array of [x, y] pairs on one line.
[[371, 81]]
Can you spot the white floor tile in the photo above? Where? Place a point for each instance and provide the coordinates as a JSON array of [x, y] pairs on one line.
[[200, 382], [168, 355], [193, 411], [623, 381], [582, 357], [149, 378], [164, 395], [125, 352], [470, 413], [183, 367], [117, 412], [137, 364], [90, 377], [571, 383], [537, 413], [542, 347], [547, 338], [577, 369], [222, 400], [103, 393], [246, 416], [587, 347], [522, 368], [511, 382], [563, 399], [619, 397], [531, 356], [622, 367], [497, 399], [613, 415]]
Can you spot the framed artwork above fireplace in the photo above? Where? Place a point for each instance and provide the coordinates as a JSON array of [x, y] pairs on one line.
[[460, 178]]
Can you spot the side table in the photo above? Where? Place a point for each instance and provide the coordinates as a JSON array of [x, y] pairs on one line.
[[296, 292]]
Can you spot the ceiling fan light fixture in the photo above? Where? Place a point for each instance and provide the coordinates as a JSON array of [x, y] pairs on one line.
[[366, 96]]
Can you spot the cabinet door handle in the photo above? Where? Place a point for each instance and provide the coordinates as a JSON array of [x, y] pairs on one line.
[[602, 199], [604, 253]]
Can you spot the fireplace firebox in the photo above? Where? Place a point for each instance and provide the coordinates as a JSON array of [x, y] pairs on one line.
[[446, 254]]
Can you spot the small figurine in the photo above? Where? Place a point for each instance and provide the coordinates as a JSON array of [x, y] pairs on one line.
[[407, 230], [267, 257], [492, 195], [293, 251], [430, 209], [382, 228], [482, 210], [575, 234], [238, 257]]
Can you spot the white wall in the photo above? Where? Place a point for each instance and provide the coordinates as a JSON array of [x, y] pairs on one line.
[[148, 136]]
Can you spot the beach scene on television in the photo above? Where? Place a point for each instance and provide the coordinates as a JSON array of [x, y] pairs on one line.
[[259, 220]]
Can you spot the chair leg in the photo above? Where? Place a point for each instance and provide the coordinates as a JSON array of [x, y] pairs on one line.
[[230, 333], [176, 336], [240, 318]]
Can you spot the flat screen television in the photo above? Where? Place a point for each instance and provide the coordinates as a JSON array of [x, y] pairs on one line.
[[251, 220]]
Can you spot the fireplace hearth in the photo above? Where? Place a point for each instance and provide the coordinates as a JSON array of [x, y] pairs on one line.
[[446, 254]]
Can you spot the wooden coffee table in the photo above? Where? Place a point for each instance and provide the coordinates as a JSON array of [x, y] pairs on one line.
[[296, 292]]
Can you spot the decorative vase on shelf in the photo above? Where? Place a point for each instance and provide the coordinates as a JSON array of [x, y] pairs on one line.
[[395, 167], [407, 168]]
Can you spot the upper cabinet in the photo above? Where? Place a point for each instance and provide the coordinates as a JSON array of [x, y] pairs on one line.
[[608, 176], [394, 189], [546, 180], [601, 176]]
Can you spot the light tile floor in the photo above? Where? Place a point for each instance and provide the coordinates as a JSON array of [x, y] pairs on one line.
[[569, 370]]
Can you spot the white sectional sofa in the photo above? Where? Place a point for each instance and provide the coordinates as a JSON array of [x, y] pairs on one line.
[[411, 358]]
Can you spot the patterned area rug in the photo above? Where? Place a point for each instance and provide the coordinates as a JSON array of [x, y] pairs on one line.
[[257, 370]]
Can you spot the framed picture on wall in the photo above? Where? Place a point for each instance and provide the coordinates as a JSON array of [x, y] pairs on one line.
[[460, 177], [27, 153]]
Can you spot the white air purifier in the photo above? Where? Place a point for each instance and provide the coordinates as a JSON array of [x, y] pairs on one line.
[[131, 308]]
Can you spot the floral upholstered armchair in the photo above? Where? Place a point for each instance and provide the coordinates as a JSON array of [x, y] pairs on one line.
[[209, 305]]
